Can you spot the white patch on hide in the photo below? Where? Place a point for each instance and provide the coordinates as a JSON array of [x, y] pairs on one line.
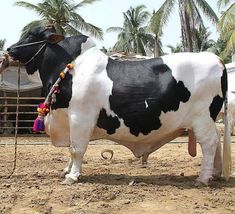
[[146, 104]]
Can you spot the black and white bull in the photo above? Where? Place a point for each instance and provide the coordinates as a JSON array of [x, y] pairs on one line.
[[139, 104]]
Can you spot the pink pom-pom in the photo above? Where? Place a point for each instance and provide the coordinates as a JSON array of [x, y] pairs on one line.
[[38, 124]]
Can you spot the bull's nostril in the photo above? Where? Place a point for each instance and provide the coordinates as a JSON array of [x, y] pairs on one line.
[[8, 49]]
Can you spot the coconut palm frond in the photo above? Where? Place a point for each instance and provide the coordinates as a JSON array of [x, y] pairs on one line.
[[230, 47], [115, 29], [83, 3], [227, 16], [27, 6], [207, 10], [161, 17], [87, 28], [62, 13], [222, 3], [70, 30], [33, 24]]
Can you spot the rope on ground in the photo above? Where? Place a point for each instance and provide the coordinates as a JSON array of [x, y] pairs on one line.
[[107, 151]]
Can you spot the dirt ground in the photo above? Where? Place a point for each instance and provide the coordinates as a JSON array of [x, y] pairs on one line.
[[121, 185]]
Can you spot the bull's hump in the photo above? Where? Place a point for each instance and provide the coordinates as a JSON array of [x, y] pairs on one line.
[[141, 91]]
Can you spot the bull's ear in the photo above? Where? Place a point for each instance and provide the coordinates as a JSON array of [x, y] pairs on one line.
[[54, 38]]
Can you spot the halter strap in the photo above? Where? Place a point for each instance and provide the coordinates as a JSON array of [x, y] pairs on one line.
[[32, 43], [33, 57], [29, 44]]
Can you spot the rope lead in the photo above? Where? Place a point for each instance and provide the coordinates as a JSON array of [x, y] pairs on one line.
[[17, 120]]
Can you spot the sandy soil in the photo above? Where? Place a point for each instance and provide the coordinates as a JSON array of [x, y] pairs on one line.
[[121, 185]]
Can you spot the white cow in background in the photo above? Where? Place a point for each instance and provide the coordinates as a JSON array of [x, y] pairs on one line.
[[231, 111], [231, 97]]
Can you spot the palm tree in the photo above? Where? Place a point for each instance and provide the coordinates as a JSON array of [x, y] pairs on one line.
[[134, 36], [218, 48], [190, 17], [2, 43], [223, 3], [227, 26], [158, 21], [62, 14], [202, 41], [177, 48]]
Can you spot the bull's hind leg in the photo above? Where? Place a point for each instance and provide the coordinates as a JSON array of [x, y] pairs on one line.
[[209, 140]]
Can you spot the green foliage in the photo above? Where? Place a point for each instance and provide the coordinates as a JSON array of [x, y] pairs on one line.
[[176, 49], [201, 39], [217, 48], [190, 18], [227, 27], [222, 3], [134, 37], [62, 14], [2, 44]]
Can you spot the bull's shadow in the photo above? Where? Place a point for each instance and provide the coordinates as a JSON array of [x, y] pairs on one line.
[[184, 182], [152, 180]]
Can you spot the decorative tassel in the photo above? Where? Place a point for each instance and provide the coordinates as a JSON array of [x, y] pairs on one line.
[[38, 125], [43, 108]]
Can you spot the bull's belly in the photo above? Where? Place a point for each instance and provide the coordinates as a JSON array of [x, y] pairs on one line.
[[141, 144], [173, 125]]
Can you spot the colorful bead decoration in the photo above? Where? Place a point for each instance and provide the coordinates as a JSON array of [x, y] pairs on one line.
[[44, 108]]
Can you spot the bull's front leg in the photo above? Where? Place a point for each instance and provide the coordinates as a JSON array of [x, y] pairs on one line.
[[81, 127], [67, 169]]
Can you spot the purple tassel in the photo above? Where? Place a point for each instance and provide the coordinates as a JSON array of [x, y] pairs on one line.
[[38, 124]]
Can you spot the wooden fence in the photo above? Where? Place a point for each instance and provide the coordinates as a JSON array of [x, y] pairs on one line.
[[27, 114]]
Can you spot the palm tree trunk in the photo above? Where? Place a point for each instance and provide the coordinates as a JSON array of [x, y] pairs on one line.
[[156, 47], [185, 27], [188, 33], [182, 28]]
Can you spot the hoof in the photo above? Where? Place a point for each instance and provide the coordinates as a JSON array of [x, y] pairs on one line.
[[199, 184], [68, 181], [202, 182], [63, 174], [216, 178], [216, 174]]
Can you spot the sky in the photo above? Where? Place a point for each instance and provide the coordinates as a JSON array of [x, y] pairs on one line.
[[103, 13]]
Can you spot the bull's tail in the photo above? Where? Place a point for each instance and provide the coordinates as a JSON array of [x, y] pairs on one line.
[[227, 158]]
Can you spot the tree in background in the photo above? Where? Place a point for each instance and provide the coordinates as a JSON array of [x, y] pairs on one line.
[[2, 44], [157, 22], [227, 27], [62, 14], [176, 49], [134, 37], [190, 18], [218, 48], [202, 42]]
